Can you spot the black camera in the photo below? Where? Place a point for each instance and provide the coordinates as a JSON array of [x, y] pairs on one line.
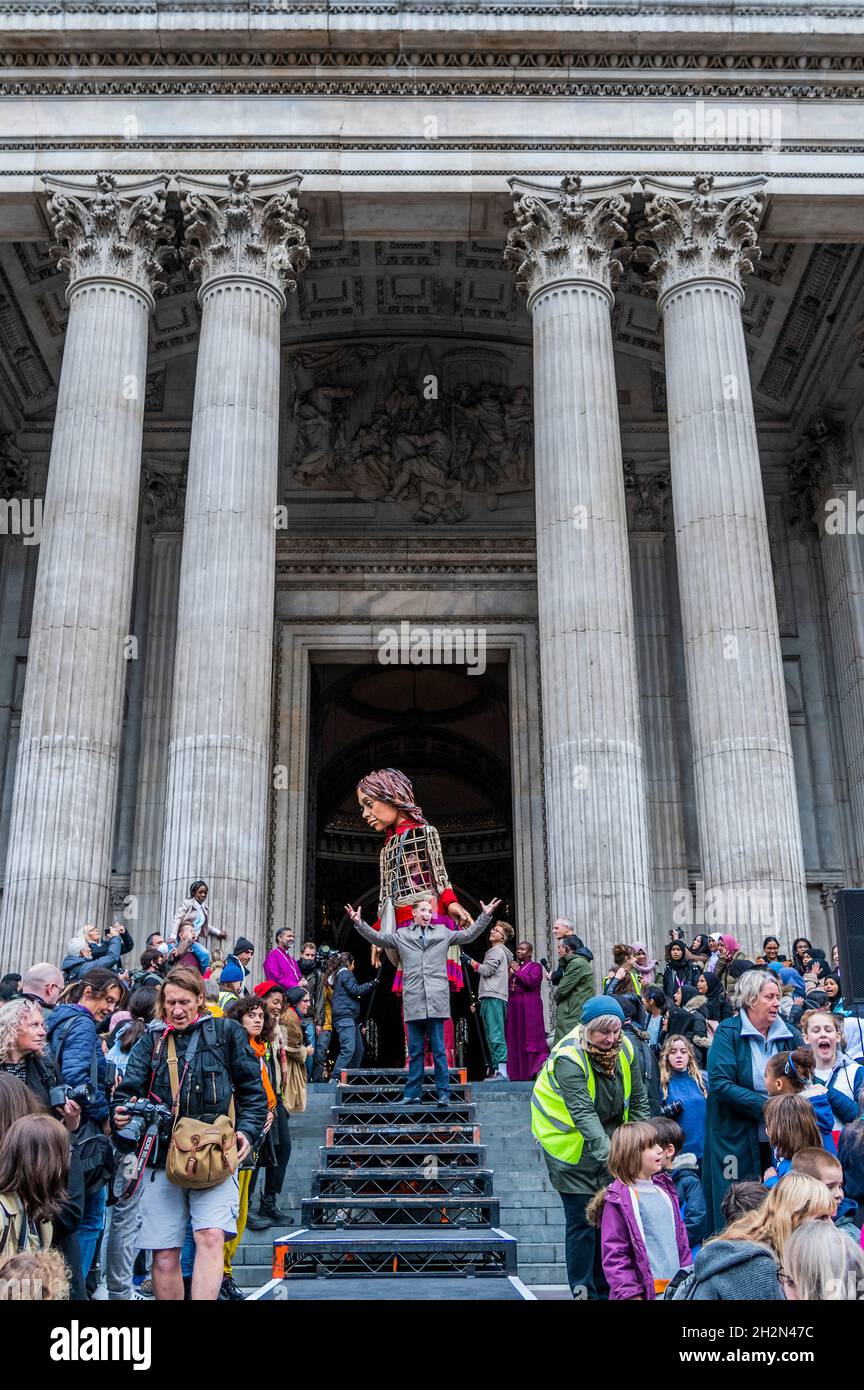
[[82, 1095], [144, 1114], [672, 1110]]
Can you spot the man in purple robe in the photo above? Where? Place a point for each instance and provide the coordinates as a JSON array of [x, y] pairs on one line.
[[527, 1048]]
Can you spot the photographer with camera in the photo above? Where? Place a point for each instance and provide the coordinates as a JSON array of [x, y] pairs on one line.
[[23, 1042], [100, 941], [124, 1212], [80, 1064], [85, 955], [189, 1066]]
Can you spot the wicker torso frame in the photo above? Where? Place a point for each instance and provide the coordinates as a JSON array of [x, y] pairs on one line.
[[412, 864]]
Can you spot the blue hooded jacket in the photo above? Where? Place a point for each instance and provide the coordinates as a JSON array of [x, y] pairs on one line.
[[73, 1056]]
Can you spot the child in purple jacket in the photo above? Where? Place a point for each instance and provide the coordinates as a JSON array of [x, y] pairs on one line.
[[643, 1242]]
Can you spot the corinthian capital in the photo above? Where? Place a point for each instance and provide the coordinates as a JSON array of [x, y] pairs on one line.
[[165, 490], [701, 233], [820, 466], [567, 233], [240, 231], [110, 232], [647, 497]]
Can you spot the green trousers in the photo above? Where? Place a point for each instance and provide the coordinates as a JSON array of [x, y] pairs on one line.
[[493, 1012]]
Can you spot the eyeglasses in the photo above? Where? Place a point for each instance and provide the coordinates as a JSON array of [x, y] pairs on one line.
[[785, 1279]]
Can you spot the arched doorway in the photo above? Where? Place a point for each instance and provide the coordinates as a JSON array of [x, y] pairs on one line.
[[449, 731]]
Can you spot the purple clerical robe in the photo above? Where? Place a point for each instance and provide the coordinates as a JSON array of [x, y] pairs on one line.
[[527, 1048]]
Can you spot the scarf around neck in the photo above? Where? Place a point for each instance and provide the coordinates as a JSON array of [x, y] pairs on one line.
[[606, 1061]]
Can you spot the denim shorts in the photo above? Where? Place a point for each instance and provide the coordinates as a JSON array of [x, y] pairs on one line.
[[167, 1209]]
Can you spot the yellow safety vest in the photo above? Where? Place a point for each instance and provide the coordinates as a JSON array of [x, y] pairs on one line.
[[551, 1122]]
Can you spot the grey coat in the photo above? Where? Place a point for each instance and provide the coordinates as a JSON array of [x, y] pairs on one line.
[[732, 1271], [423, 960], [494, 973]]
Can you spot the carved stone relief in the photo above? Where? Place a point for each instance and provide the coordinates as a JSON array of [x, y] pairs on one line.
[[413, 423]]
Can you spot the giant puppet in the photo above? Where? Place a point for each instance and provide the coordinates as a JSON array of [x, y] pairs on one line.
[[411, 865]]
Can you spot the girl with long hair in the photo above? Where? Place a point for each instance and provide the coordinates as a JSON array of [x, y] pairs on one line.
[[34, 1159], [683, 1084]]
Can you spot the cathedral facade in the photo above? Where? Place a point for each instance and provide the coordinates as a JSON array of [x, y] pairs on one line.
[[471, 388]]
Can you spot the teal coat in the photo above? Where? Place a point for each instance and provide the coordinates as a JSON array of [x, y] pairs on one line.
[[733, 1115]]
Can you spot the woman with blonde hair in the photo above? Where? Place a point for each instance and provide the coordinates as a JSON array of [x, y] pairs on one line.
[[743, 1262], [822, 1265], [684, 1091]]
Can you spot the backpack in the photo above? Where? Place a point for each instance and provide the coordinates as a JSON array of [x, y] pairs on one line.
[[94, 1148], [29, 1236]]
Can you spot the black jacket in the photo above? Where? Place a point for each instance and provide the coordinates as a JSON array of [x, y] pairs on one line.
[[347, 994], [686, 971], [223, 1065], [648, 1065]]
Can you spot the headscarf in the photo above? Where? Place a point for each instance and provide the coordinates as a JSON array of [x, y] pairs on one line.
[[715, 997], [648, 971], [688, 992], [680, 1020], [788, 976], [731, 944], [700, 946], [392, 786]]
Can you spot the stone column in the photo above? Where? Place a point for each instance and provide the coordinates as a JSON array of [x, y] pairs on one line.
[[166, 492], [699, 244], [59, 859], [647, 496], [822, 483], [246, 245], [562, 250]]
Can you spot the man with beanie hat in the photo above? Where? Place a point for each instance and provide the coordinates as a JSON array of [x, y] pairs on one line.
[[239, 959], [590, 1084]]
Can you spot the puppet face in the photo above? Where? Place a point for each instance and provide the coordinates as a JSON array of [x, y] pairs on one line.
[[378, 815]]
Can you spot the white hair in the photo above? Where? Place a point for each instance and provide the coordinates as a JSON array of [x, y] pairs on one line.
[[601, 1023], [825, 1265], [77, 944], [752, 986]]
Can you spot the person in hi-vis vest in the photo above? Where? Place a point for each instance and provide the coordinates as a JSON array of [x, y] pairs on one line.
[[591, 1083]]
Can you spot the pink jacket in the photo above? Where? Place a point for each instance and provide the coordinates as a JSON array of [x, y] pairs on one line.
[[282, 969], [625, 1259]]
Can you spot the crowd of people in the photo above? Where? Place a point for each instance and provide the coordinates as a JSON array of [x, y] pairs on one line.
[[701, 1121], [699, 1116], [140, 1108]]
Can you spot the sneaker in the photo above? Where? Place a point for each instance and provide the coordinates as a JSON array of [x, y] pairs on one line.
[[231, 1292], [144, 1289], [443, 1100]]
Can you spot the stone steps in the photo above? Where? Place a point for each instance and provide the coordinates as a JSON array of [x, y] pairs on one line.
[[530, 1210]]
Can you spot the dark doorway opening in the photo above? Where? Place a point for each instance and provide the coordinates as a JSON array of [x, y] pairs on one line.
[[449, 731]]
